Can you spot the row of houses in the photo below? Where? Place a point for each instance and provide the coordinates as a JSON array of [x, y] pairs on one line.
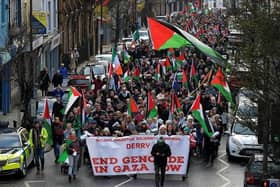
[[40, 33]]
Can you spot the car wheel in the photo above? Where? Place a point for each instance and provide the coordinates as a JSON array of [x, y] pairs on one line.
[[23, 169], [229, 157]]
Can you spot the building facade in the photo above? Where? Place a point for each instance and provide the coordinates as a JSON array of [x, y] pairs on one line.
[[77, 29], [5, 88]]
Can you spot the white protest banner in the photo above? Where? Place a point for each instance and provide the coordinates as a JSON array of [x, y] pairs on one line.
[[132, 154]]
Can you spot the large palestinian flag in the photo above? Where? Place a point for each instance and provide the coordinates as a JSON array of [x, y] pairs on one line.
[[73, 96], [47, 122], [220, 83], [165, 35], [198, 114]]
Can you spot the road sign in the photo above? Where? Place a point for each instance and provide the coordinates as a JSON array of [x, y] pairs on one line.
[[274, 182], [39, 22]]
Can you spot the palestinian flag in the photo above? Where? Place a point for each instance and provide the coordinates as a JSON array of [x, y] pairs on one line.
[[136, 73], [180, 59], [157, 72], [166, 64], [73, 96], [175, 103], [126, 76], [193, 76], [47, 122], [198, 114], [184, 79], [165, 35], [63, 157], [132, 107], [116, 62], [220, 83], [151, 107]]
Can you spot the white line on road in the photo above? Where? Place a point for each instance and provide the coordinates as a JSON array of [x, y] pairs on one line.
[[219, 173], [124, 182], [27, 183]]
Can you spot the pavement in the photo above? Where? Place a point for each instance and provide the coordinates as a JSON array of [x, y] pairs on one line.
[[16, 115]]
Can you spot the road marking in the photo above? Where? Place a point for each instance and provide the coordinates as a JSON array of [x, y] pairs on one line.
[[219, 173], [124, 182], [27, 183]]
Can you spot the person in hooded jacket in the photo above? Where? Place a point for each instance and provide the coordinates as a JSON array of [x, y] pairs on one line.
[[160, 151]]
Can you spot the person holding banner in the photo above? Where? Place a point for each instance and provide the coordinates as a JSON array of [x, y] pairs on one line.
[[160, 152]]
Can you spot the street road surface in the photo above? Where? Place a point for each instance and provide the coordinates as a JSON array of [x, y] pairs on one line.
[[222, 174]]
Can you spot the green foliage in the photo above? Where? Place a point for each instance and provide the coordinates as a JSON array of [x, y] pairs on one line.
[[260, 45]]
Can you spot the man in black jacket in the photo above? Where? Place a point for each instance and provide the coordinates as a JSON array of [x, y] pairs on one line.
[[160, 152]]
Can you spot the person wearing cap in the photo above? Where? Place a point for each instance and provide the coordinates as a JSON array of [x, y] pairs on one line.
[[38, 137], [160, 151]]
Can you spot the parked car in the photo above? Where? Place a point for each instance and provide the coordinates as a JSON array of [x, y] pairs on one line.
[[144, 35], [51, 101], [103, 57], [41, 106], [81, 82], [16, 153], [254, 172], [98, 69], [242, 141]]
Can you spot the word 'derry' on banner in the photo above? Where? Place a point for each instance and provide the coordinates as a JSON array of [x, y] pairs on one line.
[[132, 154]]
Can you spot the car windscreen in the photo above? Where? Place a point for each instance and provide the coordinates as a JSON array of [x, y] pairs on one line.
[[103, 58], [143, 33], [86, 70], [41, 105], [242, 129], [247, 110], [98, 70], [9, 141]]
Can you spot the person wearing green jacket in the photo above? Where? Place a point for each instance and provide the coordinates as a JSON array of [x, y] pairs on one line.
[[38, 137]]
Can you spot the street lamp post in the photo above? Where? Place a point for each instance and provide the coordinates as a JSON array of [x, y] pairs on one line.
[[101, 26]]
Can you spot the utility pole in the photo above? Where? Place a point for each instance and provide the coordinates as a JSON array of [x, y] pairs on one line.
[[101, 26], [165, 7], [160, 7], [117, 31], [135, 13]]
